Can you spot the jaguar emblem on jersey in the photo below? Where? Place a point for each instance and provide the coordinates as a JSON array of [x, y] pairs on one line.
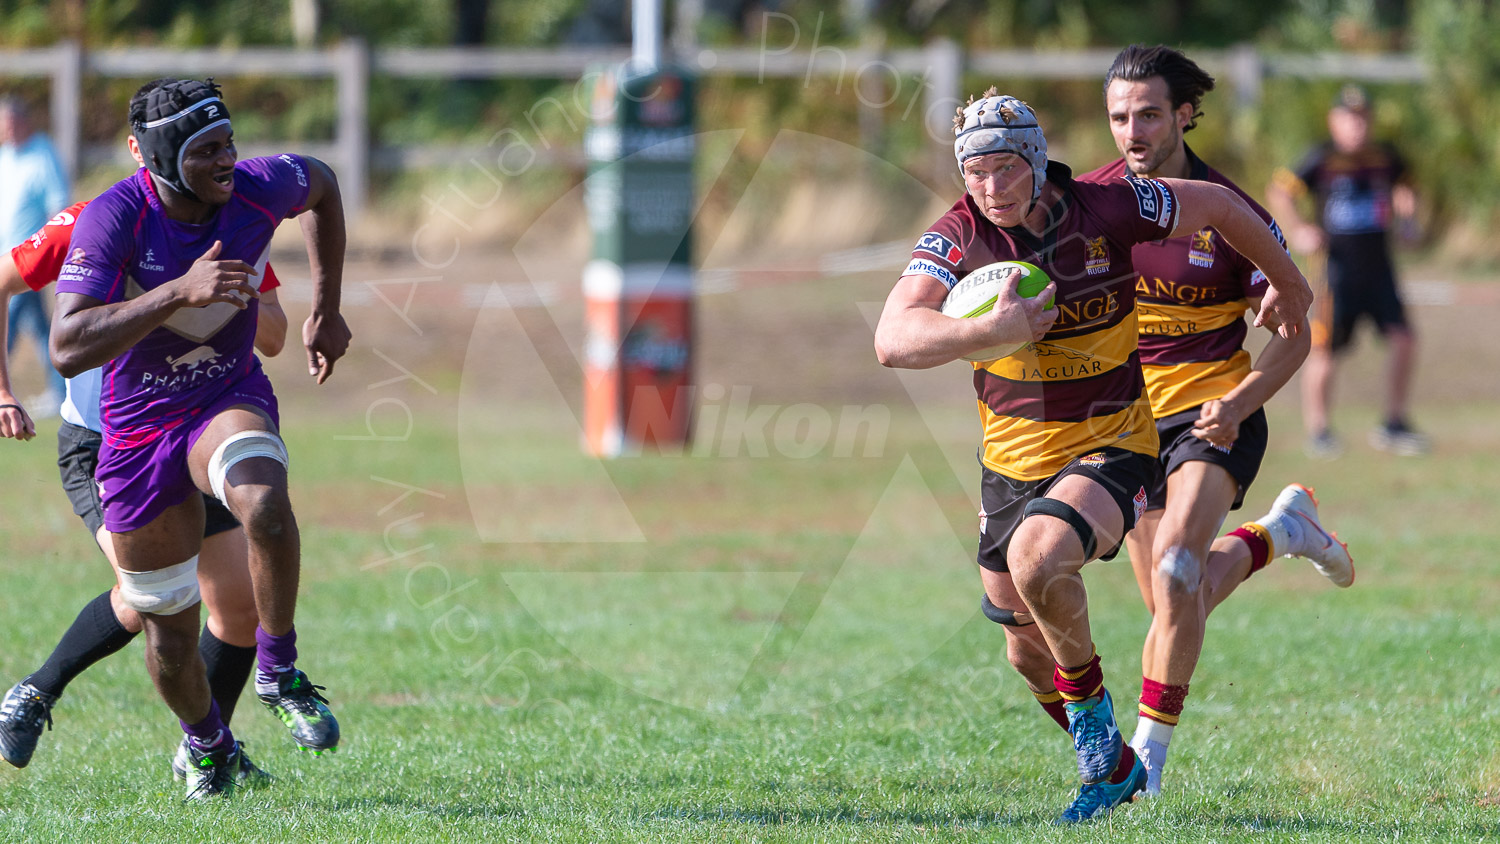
[[1046, 349], [1095, 255], [1201, 253], [939, 247]]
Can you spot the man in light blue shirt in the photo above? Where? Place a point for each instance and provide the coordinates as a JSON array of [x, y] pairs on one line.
[[33, 187]]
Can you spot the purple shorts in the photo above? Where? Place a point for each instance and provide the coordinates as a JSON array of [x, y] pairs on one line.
[[138, 482]]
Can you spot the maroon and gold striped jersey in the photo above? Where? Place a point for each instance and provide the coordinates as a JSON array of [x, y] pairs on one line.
[[1080, 387], [1191, 294]]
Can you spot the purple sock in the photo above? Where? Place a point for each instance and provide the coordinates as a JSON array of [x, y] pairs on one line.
[[210, 731], [275, 654]]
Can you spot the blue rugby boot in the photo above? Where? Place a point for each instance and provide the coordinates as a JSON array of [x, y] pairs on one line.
[[1091, 723], [1098, 799]]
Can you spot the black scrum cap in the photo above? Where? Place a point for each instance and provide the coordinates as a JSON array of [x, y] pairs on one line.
[[168, 117]]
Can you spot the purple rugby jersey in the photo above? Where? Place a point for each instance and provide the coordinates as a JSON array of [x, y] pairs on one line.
[[125, 245]]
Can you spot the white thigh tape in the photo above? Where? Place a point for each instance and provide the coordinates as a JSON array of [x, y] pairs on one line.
[[242, 446], [165, 591]]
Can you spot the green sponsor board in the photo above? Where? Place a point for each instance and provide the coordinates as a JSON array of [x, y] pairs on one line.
[[640, 147]]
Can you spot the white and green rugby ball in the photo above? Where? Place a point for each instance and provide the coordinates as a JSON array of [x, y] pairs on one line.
[[975, 296]]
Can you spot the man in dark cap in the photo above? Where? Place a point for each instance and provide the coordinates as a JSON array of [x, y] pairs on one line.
[[1359, 189]]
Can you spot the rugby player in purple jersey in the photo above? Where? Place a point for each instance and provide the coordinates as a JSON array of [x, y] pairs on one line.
[[105, 625], [160, 288], [1069, 448]]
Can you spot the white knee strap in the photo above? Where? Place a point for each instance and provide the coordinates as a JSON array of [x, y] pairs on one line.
[[242, 446], [165, 591]]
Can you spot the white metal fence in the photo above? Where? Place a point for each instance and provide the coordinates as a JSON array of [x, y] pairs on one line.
[[938, 70]]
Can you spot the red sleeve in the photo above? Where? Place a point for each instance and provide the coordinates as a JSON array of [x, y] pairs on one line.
[[270, 282], [39, 258]]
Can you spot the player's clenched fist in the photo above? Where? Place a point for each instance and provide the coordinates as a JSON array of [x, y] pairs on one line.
[[1284, 309], [326, 337], [1218, 423], [15, 423]]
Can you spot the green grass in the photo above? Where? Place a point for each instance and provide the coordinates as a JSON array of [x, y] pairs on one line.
[[791, 652]]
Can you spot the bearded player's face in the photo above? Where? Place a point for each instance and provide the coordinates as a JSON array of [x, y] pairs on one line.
[[1146, 129], [208, 166]]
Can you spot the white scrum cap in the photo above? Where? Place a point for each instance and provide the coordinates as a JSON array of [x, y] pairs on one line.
[[998, 123]]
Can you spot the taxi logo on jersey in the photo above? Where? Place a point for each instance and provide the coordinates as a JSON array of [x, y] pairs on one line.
[[939, 247], [1201, 253], [1095, 255]]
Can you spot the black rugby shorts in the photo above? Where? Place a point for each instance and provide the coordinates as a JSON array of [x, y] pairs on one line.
[[1178, 446], [78, 456], [1127, 476]]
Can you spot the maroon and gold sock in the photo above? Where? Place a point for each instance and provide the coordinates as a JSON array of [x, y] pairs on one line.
[[1162, 703], [1080, 683], [1259, 540], [1052, 702], [1127, 764]]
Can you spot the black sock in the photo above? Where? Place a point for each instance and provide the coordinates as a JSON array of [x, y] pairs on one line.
[[95, 634], [228, 670]]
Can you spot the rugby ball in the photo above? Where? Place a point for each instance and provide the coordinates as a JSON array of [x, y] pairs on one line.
[[975, 295]]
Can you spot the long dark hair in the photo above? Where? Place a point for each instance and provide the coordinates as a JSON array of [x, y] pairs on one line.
[[1186, 81]]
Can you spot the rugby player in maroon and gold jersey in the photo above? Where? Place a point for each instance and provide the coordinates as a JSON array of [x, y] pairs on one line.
[[1192, 293], [1069, 449]]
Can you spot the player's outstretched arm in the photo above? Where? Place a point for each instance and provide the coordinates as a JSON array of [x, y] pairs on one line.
[[14, 421], [325, 334], [87, 333], [1284, 307], [1220, 420], [914, 334]]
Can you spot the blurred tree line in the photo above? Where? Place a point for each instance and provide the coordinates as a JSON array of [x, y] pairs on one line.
[[1444, 126]]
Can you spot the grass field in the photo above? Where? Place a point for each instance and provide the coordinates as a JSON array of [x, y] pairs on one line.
[[728, 646]]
